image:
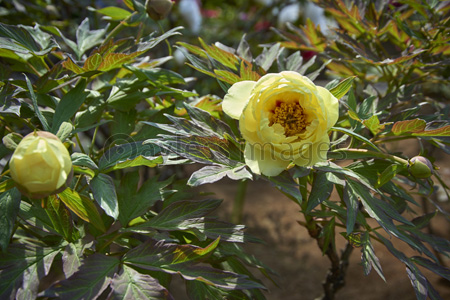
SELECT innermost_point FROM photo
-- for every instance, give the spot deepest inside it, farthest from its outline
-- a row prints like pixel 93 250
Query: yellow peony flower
pixel 284 118
pixel 40 165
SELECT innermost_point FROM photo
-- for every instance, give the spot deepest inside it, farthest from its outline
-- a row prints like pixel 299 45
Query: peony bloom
pixel 40 165
pixel 284 118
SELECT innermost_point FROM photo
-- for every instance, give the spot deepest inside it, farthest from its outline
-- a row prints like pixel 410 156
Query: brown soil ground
pixel 301 268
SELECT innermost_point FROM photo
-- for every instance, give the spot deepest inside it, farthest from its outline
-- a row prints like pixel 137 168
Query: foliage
pixel 124 227
pixel 130 222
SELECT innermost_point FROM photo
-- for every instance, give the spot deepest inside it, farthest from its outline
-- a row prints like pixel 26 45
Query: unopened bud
pixel 41 165
pixel 420 167
pixel 158 9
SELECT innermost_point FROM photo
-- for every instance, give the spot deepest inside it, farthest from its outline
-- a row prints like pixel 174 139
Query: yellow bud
pixel 420 167
pixel 41 165
pixel 158 9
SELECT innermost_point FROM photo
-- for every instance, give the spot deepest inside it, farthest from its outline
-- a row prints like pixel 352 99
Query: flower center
pixel 289 115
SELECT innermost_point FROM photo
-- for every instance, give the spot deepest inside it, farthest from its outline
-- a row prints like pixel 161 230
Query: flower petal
pixel 331 105
pixel 314 153
pixel 262 161
pixel 237 98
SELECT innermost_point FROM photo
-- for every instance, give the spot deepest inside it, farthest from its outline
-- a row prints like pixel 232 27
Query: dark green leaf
pixel 180 211
pixel 25 39
pixel 87 38
pixel 38 113
pixel 157 256
pixel 69 105
pixel 127 153
pixel 83 160
pixel 9 208
pixel 104 191
pixel 369 259
pixel 133 202
pixel 321 190
pixel 352 203
pixel 205 120
pixel 92 278
pixel 287 186
pixel 432 266
pixel 129 284
pixel 21 270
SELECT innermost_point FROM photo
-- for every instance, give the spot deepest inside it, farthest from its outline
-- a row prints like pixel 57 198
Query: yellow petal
pixel 261 160
pixel 237 98
pixel 331 105
pixel 314 153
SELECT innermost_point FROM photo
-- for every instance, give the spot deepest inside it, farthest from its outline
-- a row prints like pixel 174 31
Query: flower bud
pixel 420 167
pixel 158 9
pixel 41 165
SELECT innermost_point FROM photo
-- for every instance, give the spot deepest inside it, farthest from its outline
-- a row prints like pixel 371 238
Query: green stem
pixel 167 42
pixel 238 205
pixel 117 29
pixel 93 141
pixel 79 143
pixel 375 154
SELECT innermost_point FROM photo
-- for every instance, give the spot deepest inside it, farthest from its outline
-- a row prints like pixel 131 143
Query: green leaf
pixel 355 135
pixel 408 126
pixel 93 277
pixel 82 207
pixel 390 172
pixel 206 121
pixel 104 191
pixel 441 131
pixel 71 259
pixel 199 290
pixel 432 266
pixel 180 211
pixel 114 13
pixel 9 208
pixel 158 256
pixel 133 202
pixel 286 184
pixel 87 38
pixel 60 217
pixel 268 56
pixel 129 284
pixel 92 62
pixel 136 153
pixel 211 174
pixel 6 185
pixel 83 160
pixel 116 60
pixel 149 43
pixel 352 203
pixel 69 105
pixel 38 113
pixel 224 57
pixel 65 129
pixel 22 269
pixel 320 191
pixel 69 64
pixel 11 140
pixel 25 40
pixel 373 124
pixel 369 259
pixel 343 87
